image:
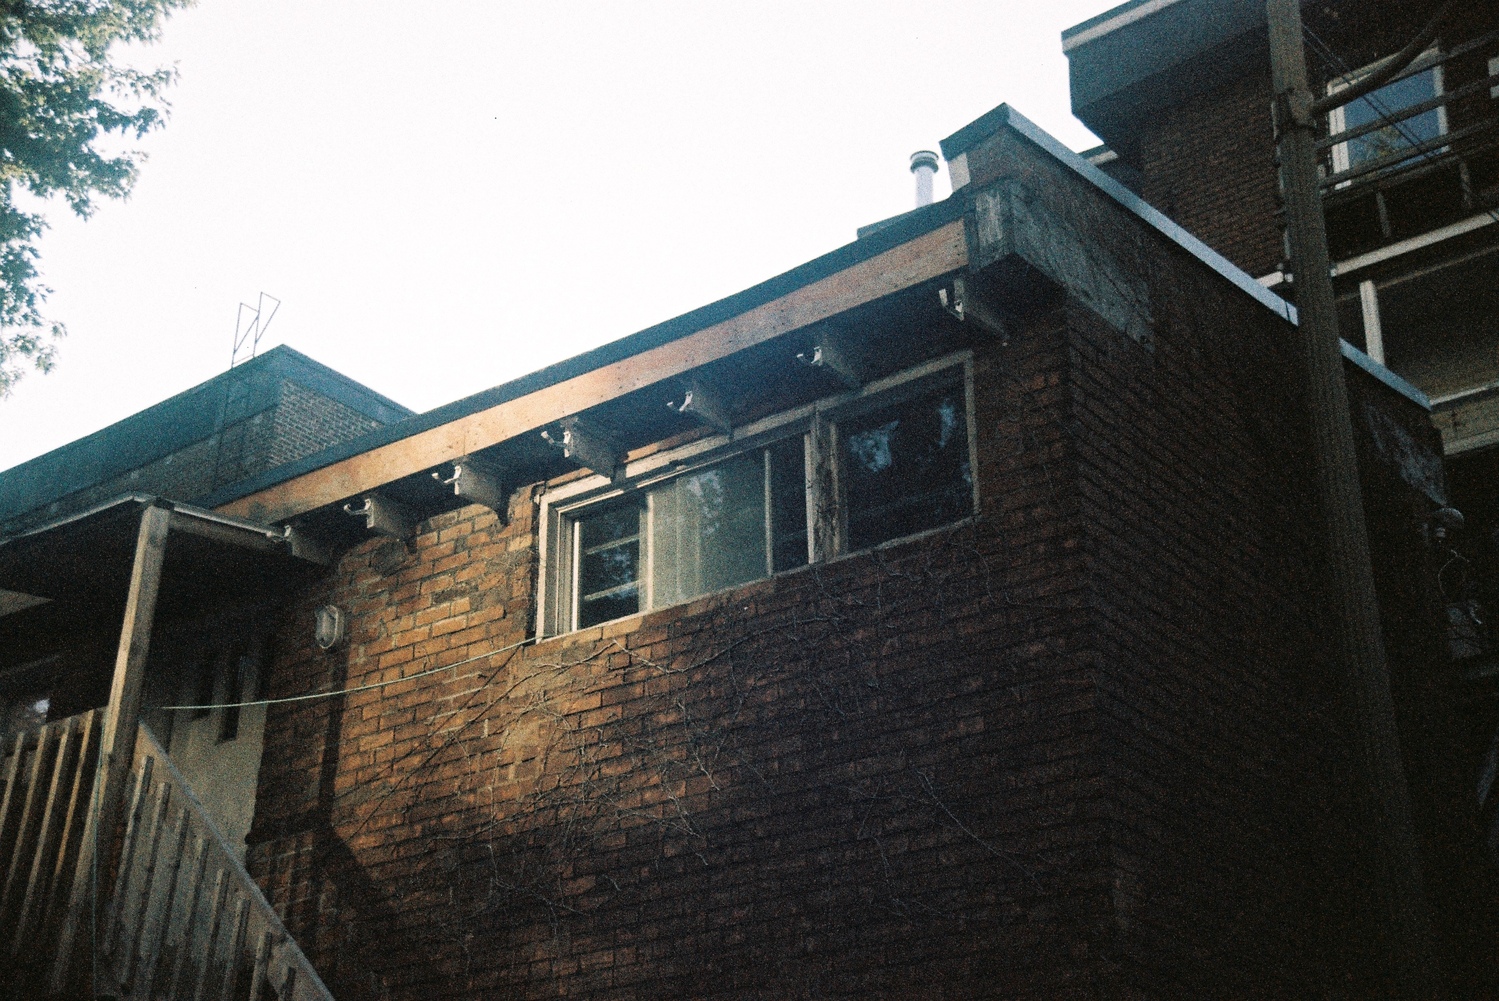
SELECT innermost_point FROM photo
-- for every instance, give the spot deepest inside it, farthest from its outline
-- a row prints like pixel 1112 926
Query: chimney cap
pixel 923 158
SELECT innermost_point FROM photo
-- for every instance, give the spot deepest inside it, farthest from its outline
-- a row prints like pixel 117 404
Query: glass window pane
pixel 608 564
pixel 1386 101
pixel 788 502
pixel 708 530
pixel 904 468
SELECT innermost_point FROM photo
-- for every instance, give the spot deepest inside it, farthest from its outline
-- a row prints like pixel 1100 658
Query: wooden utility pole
pixel 1349 576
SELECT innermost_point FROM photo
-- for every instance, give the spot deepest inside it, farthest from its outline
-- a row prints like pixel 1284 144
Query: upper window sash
pixel 816 423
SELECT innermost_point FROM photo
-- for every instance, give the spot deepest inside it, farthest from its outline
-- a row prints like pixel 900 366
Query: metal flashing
pixel 970 136
pixel 1384 375
pixel 1110 21
pixel 967 138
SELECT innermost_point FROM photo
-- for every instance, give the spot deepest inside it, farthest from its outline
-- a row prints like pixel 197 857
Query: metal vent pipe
pixel 924 166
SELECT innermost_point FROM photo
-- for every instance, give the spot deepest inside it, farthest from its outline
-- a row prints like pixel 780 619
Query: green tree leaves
pixel 60 94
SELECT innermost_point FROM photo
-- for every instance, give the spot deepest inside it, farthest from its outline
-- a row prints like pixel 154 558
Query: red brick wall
pixel 1086 744
pixel 307 422
pixel 1208 162
pixel 1222 722
pixel 1006 759
pixel 875 777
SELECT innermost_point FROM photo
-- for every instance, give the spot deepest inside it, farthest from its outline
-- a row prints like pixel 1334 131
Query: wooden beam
pixel 960 302
pixel 931 255
pixel 121 720
pixel 831 353
pixel 708 403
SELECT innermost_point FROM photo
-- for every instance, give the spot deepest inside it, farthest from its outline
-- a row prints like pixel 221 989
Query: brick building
pixel 259 415
pixel 956 631
pixel 1181 93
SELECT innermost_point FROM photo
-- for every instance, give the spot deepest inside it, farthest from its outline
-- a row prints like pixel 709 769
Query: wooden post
pixel 121 719
pixel 1356 631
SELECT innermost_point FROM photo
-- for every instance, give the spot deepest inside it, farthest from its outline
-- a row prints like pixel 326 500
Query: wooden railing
pixel 49 782
pixel 1470 138
pixel 181 917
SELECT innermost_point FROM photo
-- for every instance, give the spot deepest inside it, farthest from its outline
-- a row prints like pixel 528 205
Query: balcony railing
pixel 181 917
pixel 1477 135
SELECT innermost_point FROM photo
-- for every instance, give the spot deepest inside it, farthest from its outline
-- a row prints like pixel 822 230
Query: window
pixel 898 461
pixel 905 468
pixel 728 523
pixel 1386 102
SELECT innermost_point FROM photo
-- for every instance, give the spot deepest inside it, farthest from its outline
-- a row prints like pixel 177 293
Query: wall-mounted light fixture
pixel 329 627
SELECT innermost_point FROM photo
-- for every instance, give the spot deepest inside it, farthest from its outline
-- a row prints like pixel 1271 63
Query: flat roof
pixel 899 230
pixel 902 229
pixel 177 422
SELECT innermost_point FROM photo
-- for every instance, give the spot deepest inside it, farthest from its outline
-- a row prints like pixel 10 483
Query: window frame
pixel 1337 117
pixel 816 423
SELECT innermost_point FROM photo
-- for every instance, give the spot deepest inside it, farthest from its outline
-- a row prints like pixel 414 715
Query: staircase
pixel 174 914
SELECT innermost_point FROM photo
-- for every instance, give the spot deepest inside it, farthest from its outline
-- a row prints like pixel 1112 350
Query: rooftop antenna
pixel 250 325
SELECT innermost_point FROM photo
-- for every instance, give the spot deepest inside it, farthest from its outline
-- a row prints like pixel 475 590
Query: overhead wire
pixel 350 691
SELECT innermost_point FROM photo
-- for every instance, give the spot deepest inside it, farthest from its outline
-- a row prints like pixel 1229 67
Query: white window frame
pixel 1337 118
pixel 816 422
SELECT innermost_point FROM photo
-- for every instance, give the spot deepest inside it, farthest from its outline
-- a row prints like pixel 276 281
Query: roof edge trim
pixel 906 228
pixel 970 136
pixel 1384 375
pixel 1111 20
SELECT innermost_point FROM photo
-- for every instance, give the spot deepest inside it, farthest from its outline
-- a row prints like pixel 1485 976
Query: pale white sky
pixel 446 196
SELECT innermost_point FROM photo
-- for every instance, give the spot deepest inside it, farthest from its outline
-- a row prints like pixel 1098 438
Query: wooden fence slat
pixel 24 843
pixel 162 932
pixel 289 984
pixel 262 962
pixel 12 772
pixel 234 945
pixel 142 882
pixel 288 964
pixel 48 838
pixel 57 891
pixel 141 787
pixel 159 912
pixel 215 912
pixel 182 940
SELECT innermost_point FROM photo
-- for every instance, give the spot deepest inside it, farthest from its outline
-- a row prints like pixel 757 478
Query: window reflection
pixel 740 520
pixel 709 530
pixel 906 468
pixel 609 564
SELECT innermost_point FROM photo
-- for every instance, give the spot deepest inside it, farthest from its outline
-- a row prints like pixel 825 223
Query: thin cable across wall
pixel 350 691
